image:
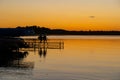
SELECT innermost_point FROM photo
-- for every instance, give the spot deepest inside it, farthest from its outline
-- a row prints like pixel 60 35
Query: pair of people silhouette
pixel 42 38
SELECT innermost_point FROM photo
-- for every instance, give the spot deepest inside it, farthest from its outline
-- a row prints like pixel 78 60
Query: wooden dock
pixel 34 43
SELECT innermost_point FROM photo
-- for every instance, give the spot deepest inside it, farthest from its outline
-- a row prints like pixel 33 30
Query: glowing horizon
pixel 61 14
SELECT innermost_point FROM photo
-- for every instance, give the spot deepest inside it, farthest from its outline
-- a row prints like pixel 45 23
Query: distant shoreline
pixel 81 35
pixel 36 30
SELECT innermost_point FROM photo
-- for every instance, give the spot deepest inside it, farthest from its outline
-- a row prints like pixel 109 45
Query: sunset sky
pixel 64 14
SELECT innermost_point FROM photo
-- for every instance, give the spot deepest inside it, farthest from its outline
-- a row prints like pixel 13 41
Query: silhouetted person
pixel 40 38
pixel 44 38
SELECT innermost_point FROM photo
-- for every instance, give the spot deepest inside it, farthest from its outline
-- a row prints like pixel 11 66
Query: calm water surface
pixel 83 58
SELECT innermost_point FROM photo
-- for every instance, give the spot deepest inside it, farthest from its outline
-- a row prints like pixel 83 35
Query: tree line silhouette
pixel 36 30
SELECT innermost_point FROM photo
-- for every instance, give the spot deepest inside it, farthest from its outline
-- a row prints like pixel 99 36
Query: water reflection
pixel 82 59
pixel 18 58
pixel 42 52
pixel 14 59
pixel 41 47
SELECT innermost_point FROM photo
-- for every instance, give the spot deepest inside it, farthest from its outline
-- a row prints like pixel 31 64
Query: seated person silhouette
pixel 42 37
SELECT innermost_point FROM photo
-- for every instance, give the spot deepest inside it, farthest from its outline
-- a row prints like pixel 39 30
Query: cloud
pixel 91 16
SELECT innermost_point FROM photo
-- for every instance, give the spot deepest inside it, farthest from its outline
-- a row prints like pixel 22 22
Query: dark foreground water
pixel 83 58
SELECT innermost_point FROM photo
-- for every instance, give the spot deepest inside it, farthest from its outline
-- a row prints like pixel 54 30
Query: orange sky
pixel 65 14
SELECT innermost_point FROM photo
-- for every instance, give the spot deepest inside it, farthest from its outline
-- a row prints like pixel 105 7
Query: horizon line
pixel 53 28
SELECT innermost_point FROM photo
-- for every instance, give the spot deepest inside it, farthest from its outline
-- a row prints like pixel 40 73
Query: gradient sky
pixel 65 14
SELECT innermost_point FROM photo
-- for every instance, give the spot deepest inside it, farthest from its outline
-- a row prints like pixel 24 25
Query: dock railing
pixel 49 44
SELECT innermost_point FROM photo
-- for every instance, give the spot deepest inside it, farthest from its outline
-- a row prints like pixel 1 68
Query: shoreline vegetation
pixel 36 30
pixel 11 44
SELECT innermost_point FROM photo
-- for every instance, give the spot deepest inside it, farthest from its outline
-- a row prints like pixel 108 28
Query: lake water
pixel 83 58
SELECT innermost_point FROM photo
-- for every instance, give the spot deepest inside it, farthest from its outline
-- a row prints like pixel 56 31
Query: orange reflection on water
pixel 93 52
pixel 80 58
